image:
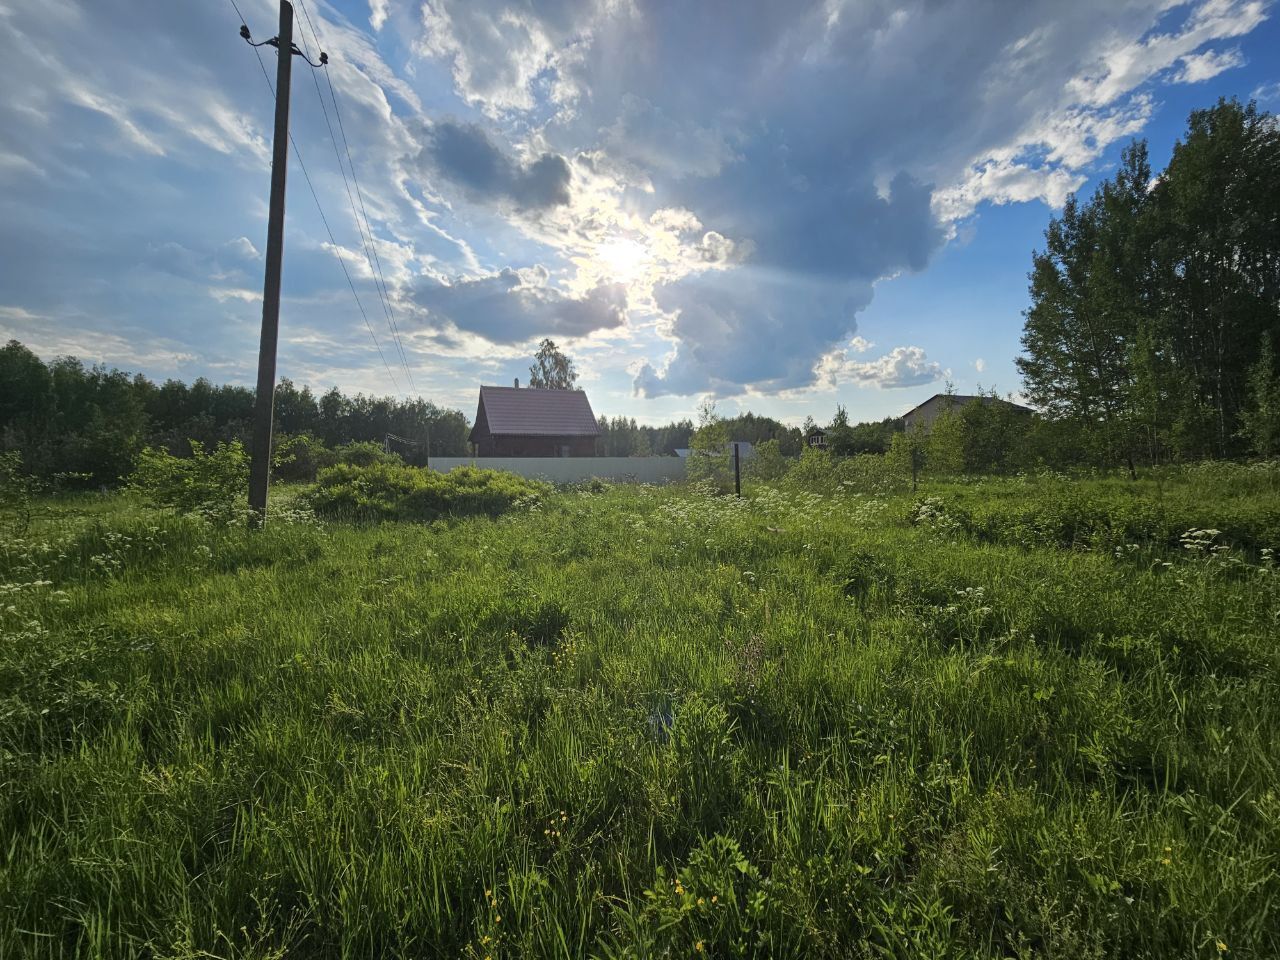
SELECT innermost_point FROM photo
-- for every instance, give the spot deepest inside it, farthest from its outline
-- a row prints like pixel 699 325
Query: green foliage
pixel 643 722
pixel 710 459
pixel 840 433
pixel 906 455
pixel 360 453
pixel 552 369
pixel 1151 299
pixel 215 483
pixel 297 458
pixel 1260 422
pixel 768 465
pixel 385 491
pixel 86 426
pixel 18 493
pixel 813 471
pixel 944 453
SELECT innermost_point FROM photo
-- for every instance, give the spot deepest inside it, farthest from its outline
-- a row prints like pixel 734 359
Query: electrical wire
pixel 365 230
pixel 323 219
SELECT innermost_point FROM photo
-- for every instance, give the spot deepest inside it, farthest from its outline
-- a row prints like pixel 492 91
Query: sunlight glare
pixel 622 259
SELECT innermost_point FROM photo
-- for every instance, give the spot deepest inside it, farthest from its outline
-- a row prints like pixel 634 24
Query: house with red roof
pixel 516 422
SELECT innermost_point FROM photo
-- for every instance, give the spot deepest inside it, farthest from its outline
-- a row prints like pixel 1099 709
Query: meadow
pixel 1022 717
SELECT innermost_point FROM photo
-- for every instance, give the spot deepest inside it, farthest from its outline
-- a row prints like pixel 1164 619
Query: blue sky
pixel 780 206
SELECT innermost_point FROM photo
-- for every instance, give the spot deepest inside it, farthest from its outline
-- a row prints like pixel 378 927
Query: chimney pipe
pixel 517 383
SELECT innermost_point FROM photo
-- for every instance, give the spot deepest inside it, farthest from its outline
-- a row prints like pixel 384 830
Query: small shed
pixel 817 439
pixel 530 422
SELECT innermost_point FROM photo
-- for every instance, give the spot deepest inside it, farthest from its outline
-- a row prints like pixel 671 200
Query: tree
pixel 708 447
pixel 1260 422
pixel 1086 297
pixel 945 443
pixel 995 435
pixel 1218 219
pixel 906 454
pixel 840 434
pixel 552 369
pixel 1151 297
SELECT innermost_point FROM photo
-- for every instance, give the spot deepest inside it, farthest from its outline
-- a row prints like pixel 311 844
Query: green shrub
pixel 210 483
pixel 768 465
pixel 385 491
pixel 812 471
pixel 299 458
pixel 360 453
pixel 18 492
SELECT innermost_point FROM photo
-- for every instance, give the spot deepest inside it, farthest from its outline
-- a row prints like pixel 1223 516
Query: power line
pixel 320 209
pixel 365 230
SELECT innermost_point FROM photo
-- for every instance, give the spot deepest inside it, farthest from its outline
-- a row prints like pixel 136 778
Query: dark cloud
pixel 470 158
pixel 750 326
pixel 816 257
pixel 814 132
pixel 513 306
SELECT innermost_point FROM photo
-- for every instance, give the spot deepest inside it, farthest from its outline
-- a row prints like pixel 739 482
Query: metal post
pixel 737 471
pixel 260 466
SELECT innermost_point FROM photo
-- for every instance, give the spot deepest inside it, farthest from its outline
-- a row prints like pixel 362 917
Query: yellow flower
pixel 1166 861
pixel 699 901
pixel 698 946
pixel 1222 947
pixel 715 898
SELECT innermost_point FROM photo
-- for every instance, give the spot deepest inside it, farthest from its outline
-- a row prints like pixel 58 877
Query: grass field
pixel 1017 718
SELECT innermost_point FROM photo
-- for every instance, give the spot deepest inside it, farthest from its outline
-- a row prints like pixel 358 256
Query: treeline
pixel 87 424
pixel 1155 305
pixel 623 437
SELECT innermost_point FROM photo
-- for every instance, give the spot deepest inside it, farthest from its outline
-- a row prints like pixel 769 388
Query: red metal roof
pixel 528 412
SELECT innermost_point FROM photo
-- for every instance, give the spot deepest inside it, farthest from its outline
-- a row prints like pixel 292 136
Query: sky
pixel 778 206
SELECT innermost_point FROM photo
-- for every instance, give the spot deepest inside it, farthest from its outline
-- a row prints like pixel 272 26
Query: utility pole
pixel 264 399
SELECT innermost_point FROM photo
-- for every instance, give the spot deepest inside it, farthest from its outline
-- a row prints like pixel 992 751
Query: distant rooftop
pixel 960 399
pixel 528 412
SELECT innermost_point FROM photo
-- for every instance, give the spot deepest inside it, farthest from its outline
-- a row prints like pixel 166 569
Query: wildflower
pixel 715 898
pixel 1222 947
pixel 698 946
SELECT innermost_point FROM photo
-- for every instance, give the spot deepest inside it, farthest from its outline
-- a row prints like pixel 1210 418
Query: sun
pixel 622 259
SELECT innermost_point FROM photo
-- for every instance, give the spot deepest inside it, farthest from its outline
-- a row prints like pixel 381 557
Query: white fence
pixel 573 469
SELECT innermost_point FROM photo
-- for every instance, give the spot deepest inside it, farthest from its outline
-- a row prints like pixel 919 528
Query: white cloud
pixel 980 365
pixel 1266 93
pixel 1097 106
pixel 1198 67
pixel 900 367
pixel 50 337
pixel 378 13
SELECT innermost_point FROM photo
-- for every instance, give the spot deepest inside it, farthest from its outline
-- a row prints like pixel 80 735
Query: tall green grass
pixel 636 723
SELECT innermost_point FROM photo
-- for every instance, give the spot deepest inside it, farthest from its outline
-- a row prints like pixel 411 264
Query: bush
pixel 384 491
pixel 768 465
pixel 299 458
pixel 211 483
pixel 18 493
pixel 360 453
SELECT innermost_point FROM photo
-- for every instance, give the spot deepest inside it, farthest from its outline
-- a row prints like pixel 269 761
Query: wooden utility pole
pixel 737 471
pixel 264 401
